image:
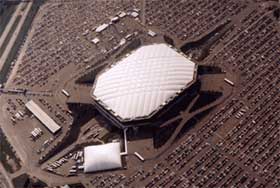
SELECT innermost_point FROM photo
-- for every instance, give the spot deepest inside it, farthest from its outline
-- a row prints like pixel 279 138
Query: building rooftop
pixel 47 121
pixel 142 83
pixel 102 157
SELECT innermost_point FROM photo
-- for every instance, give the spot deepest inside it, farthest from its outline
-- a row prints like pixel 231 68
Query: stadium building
pixel 146 82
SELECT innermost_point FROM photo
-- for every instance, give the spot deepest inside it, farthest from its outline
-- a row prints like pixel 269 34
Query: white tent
pixel 102 157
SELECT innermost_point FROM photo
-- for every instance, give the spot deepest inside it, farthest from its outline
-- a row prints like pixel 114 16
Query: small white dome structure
pixel 102 157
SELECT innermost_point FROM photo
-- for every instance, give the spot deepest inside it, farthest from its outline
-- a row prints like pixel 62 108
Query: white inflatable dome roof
pixel 102 157
pixel 143 82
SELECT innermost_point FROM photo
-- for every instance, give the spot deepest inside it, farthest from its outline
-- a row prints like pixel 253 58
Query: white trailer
pixel 229 82
pixel 65 93
pixel 139 156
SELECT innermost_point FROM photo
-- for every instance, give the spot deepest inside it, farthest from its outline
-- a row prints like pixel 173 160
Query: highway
pixel 6 176
pixel 10 24
pixel 16 32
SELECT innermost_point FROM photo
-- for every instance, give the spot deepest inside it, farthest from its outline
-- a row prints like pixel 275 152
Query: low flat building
pixel 42 116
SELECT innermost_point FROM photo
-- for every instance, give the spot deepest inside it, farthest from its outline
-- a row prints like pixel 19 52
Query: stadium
pixel 141 86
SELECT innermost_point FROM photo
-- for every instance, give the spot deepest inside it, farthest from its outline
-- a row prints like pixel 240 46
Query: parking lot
pixel 234 144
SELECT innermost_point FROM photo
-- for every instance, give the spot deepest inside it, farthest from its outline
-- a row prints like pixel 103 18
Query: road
pixel 6 176
pixel 14 37
pixel 185 116
pixel 22 50
pixel 9 25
